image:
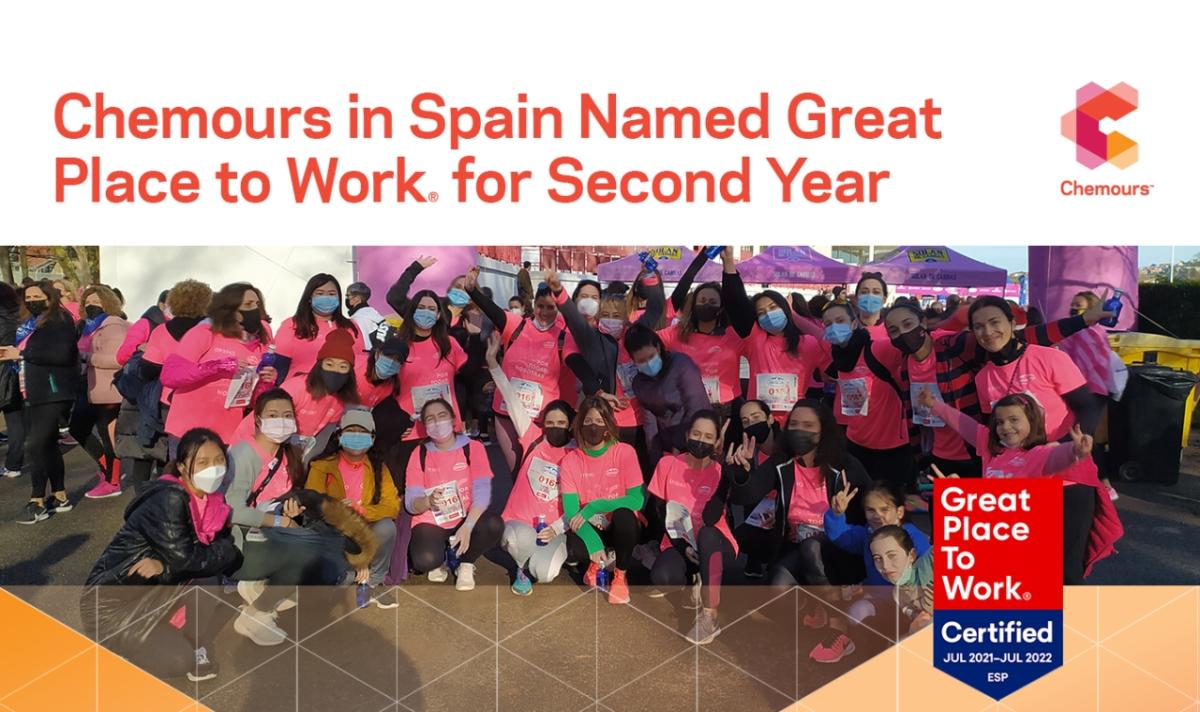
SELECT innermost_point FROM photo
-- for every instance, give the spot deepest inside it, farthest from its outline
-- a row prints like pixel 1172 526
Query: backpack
pixel 422 454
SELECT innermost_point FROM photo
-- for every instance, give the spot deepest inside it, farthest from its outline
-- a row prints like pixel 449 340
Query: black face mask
pixel 759 431
pixel 334 381
pixel 700 449
pixel 799 443
pixel 708 312
pixel 93 311
pixel 1011 352
pixel 252 320
pixel 910 342
pixel 557 437
pixel 594 435
pixel 640 291
pixel 36 307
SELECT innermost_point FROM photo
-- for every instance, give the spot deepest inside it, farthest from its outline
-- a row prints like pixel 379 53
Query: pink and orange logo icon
pixel 1093 147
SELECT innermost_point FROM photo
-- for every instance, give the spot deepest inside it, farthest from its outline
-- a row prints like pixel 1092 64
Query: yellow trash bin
pixel 1183 354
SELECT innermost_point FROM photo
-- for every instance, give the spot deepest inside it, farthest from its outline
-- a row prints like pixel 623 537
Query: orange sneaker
pixel 589 576
pixel 618 590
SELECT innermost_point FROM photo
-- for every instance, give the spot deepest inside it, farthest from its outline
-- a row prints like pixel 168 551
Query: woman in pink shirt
pixel 781 357
pixel 300 336
pixel 202 369
pixel 434 360
pixel 870 294
pixel 94 418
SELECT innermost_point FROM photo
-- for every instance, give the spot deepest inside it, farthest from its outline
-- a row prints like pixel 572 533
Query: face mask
pixel 594 434
pixel 93 311
pixel 537 324
pixel 652 367
pixel 252 320
pixel 36 307
pixel 1077 312
pixel 425 318
pixel 910 341
pixel 440 430
pixel 209 479
pixel 517 311
pixel 588 306
pixel 639 291
pixel 838 334
pixel 333 380
pixel 458 297
pixel 708 312
pixel 167 313
pixel 386 367
pixel 557 437
pixel 773 321
pixel 612 327
pixel 870 303
pixel 759 431
pixel 799 443
pixel 278 430
pixel 325 304
pixel 356 442
pixel 906 576
pixel 700 449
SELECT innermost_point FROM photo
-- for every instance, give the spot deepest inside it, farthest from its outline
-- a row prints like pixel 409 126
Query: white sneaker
pixel 259 627
pixel 285 604
pixel 10 474
pixel 439 575
pixel 695 600
pixel 251 590
pixel 465 580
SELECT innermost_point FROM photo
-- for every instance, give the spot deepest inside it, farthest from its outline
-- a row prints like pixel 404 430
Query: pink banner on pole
pixel 380 267
pixel 1057 273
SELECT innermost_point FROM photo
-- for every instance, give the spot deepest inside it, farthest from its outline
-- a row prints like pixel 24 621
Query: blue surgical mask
pixel 356 442
pixel 325 303
pixel 773 321
pixel 870 303
pixel 651 367
pixel 425 318
pixel 386 367
pixel 838 334
pixel 458 297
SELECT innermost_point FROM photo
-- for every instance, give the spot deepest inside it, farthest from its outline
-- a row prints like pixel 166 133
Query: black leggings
pixel 894 465
pixel 89 426
pixel 1079 508
pixel 171 652
pixel 621 536
pixel 42 455
pixel 813 562
pixel 427 550
pixel 14 421
pixel 672 568
pixel 635 437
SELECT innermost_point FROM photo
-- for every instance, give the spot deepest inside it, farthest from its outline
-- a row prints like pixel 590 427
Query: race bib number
pixel 449 503
pixel 856 396
pixel 530 395
pixel 625 373
pixel 423 394
pixel 543 478
pixel 922 415
pixel 712 386
pixel 679 523
pixel 779 391
pixel 241 388
pixel 763 515
pixel 800 532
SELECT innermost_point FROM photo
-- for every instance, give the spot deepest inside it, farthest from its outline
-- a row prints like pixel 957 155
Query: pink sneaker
pixel 817 618
pixel 831 652
pixel 104 489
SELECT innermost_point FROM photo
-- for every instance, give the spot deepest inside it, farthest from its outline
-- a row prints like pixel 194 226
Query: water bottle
pixel 1112 305
pixel 362 595
pixel 539 526
pixel 268 359
pixel 602 579
pixel 648 261
pixel 451 556
pixel 714 252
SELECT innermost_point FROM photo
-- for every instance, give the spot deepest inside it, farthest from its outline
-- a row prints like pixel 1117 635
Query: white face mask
pixel 440 430
pixel 518 311
pixel 278 430
pixel 588 307
pixel 209 479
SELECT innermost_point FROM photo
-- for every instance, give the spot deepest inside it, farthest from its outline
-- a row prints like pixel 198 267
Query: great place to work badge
pixel 998 601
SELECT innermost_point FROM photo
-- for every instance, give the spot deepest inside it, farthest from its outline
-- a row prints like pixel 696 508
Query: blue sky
pixel 1016 259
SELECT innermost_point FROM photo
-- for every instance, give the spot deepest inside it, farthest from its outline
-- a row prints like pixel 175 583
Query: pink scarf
pixel 208 516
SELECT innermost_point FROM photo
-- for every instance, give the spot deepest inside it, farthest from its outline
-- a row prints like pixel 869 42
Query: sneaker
pixel 54 505
pixel 464 580
pixel 33 513
pixel 755 570
pixel 251 590
pixel 1112 492
pixel 64 438
pixel 695 600
pixel 589 576
pixel 618 590
pixel 286 603
pixel 831 651
pixel 206 669
pixel 259 627
pixel 705 630
pixel 384 598
pixel 522 586
pixel 817 618
pixel 12 474
pixel 440 574
pixel 656 593
pixel 103 490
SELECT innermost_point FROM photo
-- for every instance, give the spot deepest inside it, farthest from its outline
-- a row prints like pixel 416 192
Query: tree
pixel 6 270
pixel 80 265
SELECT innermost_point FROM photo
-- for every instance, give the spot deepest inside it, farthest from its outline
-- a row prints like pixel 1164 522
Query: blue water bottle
pixel 267 360
pixel 714 252
pixel 648 261
pixel 602 579
pixel 362 596
pixel 1113 305
pixel 539 526
pixel 451 558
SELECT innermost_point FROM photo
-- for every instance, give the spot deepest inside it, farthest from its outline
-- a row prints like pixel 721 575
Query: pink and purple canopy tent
pixel 672 263
pixel 793 265
pixel 936 266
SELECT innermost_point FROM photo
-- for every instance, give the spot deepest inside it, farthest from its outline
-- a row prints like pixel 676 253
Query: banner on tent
pixel 928 254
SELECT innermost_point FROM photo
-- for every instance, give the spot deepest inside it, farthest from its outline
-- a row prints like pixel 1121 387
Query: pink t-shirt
pixel 448 470
pixel 532 363
pixel 426 376
pixel 312 414
pixel 1042 372
pixel 1012 461
pixel 809 501
pixel 946 442
pixel 690 488
pixel 718 357
pixel 204 405
pixel 352 478
pixel 159 346
pixel 370 394
pixel 279 484
pixel 607 476
pixel 777 377
pixel 535 490
pixel 873 412
pixel 303 352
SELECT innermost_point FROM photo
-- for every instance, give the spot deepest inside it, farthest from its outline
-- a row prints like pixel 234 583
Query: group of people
pixel 337 448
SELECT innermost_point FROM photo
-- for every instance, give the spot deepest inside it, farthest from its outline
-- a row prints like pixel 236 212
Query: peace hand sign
pixel 743 455
pixel 841 499
pixel 1096 312
pixel 1083 442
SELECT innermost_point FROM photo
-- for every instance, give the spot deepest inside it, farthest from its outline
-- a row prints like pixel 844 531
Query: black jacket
pixel 52 366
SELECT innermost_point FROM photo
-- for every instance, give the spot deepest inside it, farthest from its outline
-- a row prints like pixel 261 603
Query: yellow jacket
pixel 324 476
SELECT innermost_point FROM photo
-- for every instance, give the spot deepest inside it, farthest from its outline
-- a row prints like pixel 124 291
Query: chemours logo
pixel 1093 147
